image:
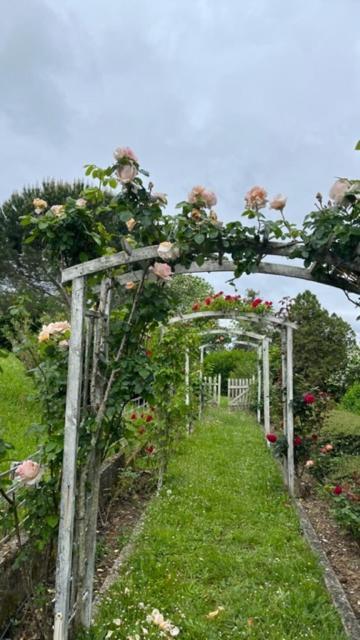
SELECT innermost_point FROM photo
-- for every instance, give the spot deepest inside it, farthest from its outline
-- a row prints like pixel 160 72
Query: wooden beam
pixel 68 486
pixel 234 332
pixel 266 384
pixel 259 384
pixel 228 315
pixel 290 409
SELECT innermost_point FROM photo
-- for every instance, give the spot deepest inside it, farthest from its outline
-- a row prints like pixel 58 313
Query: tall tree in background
pixel 188 289
pixel 323 343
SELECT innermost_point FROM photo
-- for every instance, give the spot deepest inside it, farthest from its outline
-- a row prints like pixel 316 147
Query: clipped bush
pixel 231 364
pixel 351 399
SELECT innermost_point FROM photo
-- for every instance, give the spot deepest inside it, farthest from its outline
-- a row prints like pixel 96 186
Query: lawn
pixel 18 409
pixel 344 422
pixel 221 554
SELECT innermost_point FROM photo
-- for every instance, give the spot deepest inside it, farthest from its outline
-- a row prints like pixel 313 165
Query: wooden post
pixel 259 385
pixel 284 394
pixel 266 384
pixel 219 390
pixel 187 386
pixel 68 486
pixel 290 410
pixel 201 377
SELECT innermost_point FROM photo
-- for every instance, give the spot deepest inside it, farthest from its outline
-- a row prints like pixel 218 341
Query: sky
pixel 227 94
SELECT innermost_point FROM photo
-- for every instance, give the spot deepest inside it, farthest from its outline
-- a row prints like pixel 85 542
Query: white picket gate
pixel 212 389
pixel 239 392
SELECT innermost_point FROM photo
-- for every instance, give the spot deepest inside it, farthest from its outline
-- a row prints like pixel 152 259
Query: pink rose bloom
pixel 58 210
pixel 256 198
pixel 130 285
pixel 162 271
pixel 125 152
pixel 52 329
pixel 29 472
pixel 278 203
pixel 40 205
pixel 309 464
pixel 339 190
pixel 200 193
pixel 126 173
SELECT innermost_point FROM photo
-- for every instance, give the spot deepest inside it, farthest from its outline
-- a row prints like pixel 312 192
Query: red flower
pixel 133 416
pixel 141 430
pixel 196 306
pixel 149 353
pixel 297 441
pixel 268 304
pixel 218 295
pixel 150 449
pixel 309 398
pixel 314 437
pixel 228 298
pixel 255 303
pixel 208 301
pixel 271 437
pixel 337 490
pixel 149 418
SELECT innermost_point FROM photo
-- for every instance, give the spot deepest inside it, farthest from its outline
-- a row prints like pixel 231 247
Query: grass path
pixel 222 535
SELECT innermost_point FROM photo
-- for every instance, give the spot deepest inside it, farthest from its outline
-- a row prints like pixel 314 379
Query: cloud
pixel 227 94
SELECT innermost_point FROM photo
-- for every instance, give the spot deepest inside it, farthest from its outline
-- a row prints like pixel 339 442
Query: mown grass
pixel 223 533
pixel 18 409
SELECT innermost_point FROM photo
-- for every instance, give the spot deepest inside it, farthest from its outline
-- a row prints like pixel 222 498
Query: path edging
pixel 338 595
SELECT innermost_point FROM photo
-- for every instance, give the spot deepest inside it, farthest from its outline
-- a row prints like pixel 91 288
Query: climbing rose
pixel 196 215
pixel 29 472
pixel 125 152
pixel 213 217
pixel 337 490
pixel 130 285
pixel 126 173
pixel 256 198
pixel 150 449
pixel 160 198
pixel 309 398
pixel 309 464
pixel 149 418
pixel 167 251
pixel 131 224
pixel 133 416
pixel 339 190
pixel 200 193
pixel 255 303
pixel 278 203
pixel 40 205
pixel 328 447
pixel 58 210
pixel 81 203
pixel 162 271
pixel 196 306
pixel 208 301
pixel 52 329
pixel 297 441
pixel 271 437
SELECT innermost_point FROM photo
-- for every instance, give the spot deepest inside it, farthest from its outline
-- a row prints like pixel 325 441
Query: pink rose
pixel 202 195
pixel 58 210
pixel 40 205
pixel 125 152
pixel 126 173
pixel 278 203
pixel 162 271
pixel 29 472
pixel 81 203
pixel 309 464
pixel 256 198
pixel 52 329
pixel 339 190
pixel 130 285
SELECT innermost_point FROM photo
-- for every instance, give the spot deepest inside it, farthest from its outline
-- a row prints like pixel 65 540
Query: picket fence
pixel 239 392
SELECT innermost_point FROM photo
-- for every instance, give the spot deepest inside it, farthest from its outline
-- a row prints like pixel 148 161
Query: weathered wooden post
pixel 284 394
pixel 219 389
pixel 72 418
pixel 201 377
pixel 289 408
pixel 187 387
pixel 259 385
pixel 266 383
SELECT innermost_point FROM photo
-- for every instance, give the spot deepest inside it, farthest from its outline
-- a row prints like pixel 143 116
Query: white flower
pixel 168 251
pixel 81 203
pixel 131 224
pixel 58 210
pixel 278 203
pixel 339 190
pixel 39 205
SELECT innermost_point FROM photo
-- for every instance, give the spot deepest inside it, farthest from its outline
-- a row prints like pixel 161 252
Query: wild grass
pixel 221 554
pixel 343 422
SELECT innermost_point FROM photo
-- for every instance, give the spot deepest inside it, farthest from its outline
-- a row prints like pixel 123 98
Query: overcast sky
pixel 228 94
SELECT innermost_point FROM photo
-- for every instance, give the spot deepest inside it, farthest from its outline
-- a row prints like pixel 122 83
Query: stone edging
pixel 338 595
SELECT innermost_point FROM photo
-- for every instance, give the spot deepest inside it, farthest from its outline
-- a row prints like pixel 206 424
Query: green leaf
pixel 199 238
pixel 357 146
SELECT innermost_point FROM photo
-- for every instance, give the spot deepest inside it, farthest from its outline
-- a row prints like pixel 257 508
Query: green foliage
pixel 186 289
pixel 327 336
pixel 235 363
pixel 351 399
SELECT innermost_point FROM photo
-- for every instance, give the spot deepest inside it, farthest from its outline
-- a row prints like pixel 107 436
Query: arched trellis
pixel 126 259
pixel 263 369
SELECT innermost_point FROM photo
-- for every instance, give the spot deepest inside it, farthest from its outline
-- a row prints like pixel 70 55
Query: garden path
pixel 221 554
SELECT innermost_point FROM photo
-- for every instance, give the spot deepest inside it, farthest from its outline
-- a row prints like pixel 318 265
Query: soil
pixel 342 550
pixel 116 523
